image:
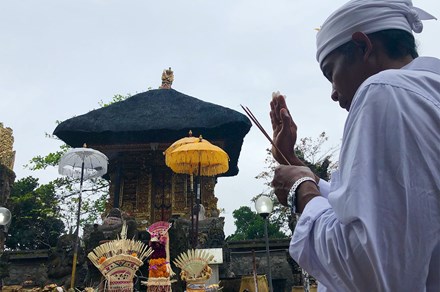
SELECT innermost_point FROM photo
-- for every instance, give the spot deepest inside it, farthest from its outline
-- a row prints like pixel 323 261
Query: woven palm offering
pixel 118 261
pixel 158 284
pixel 195 270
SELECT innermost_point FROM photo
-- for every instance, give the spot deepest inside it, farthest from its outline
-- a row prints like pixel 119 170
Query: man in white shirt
pixel 376 225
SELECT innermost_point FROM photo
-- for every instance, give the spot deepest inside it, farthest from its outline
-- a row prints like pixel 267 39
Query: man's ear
pixel 364 43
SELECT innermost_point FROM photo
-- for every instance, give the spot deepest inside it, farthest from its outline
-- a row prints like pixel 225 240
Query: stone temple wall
pixel 241 255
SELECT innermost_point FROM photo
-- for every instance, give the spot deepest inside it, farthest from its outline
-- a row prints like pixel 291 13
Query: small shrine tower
pixel 7 158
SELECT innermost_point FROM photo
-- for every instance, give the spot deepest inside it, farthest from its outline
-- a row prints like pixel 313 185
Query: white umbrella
pixel 83 163
pixel 71 164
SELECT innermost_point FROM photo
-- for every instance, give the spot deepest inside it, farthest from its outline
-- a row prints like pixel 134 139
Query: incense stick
pixel 259 126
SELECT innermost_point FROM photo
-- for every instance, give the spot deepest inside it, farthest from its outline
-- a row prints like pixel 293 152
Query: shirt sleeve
pixel 322 246
pixel 324 187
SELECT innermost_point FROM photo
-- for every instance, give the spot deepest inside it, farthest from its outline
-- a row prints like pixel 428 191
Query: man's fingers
pixel 275 110
pixel 281 101
pixel 282 196
pixel 286 122
pixel 287 118
pixel 274 121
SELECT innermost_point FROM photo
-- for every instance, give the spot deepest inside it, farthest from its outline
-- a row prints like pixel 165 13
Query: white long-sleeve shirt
pixel 378 227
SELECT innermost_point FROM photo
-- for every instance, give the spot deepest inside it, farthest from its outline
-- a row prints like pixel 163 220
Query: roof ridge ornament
pixel 167 78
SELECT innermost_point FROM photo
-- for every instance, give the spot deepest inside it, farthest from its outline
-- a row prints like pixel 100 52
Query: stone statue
pixel 95 238
pixel 112 224
pixel 167 79
pixel 60 260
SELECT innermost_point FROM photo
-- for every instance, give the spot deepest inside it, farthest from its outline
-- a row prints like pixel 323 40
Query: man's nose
pixel 334 94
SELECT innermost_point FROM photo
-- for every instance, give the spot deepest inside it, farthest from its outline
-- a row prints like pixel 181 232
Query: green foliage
pixel 42 162
pixel 310 151
pixel 115 98
pixel 94 197
pixel 250 225
pixel 94 194
pixel 36 215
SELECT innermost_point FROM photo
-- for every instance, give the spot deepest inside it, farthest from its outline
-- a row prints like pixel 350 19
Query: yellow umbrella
pixel 200 158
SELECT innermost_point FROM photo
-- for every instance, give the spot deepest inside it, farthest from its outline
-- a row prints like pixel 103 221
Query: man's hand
pixel 284 131
pixel 283 180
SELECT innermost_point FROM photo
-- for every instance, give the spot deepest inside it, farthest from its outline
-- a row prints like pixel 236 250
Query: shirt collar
pixel 429 64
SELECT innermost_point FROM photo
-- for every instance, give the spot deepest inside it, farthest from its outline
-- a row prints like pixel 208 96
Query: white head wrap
pixel 367 16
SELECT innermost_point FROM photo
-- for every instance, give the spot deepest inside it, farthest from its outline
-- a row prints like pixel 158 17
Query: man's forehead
pixel 328 61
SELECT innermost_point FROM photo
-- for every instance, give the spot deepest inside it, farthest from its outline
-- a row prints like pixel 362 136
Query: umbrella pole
pixel 198 207
pixel 75 253
pixel 192 211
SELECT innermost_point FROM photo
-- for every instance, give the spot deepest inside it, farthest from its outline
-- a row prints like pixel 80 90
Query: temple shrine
pixel 135 132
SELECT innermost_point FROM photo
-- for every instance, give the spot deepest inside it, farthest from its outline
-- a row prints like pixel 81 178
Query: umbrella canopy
pixel 178 143
pixel 71 163
pixel 199 158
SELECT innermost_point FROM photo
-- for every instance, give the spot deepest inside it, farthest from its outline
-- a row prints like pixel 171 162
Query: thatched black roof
pixel 158 116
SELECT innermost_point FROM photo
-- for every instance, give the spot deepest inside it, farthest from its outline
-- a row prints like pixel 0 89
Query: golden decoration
pixel 167 79
pixel 194 265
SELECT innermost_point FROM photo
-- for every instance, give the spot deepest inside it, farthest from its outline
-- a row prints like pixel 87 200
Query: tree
pixel 95 192
pixel 250 225
pixel 310 152
pixel 36 220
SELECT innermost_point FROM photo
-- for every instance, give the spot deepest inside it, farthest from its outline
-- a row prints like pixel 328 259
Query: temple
pixel 135 132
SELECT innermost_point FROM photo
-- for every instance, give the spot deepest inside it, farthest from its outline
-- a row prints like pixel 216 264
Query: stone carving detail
pixel 216 234
pixel 95 238
pixel 7 155
pixel 143 201
pixel 60 261
pixel 179 191
pixel 161 199
pixel 167 79
pixel 127 197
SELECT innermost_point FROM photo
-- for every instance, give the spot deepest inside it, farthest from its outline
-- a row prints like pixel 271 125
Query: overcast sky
pixel 60 58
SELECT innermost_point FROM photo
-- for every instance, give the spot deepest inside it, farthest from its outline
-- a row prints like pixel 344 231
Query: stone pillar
pixel 7 175
pixel 7 157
